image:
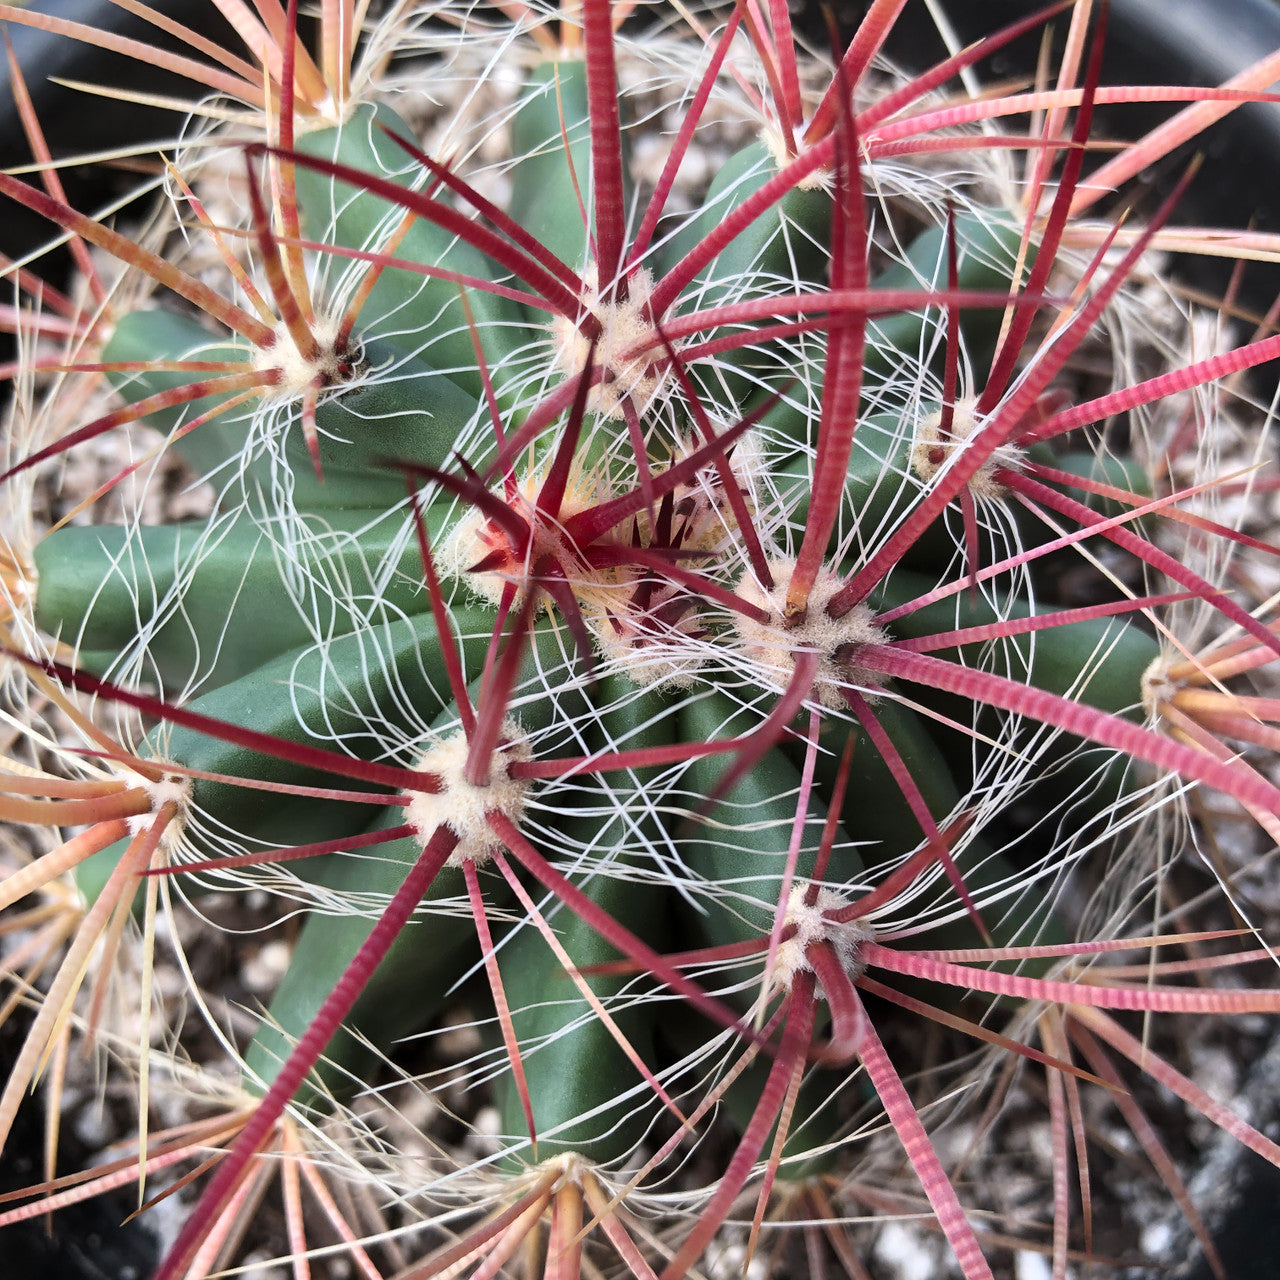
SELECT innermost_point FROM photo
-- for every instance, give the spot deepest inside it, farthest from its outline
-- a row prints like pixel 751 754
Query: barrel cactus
pixel 637 626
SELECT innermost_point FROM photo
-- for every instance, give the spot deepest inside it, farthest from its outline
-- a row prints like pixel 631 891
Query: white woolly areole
pixel 298 372
pixel 774 644
pixel 573 1169
pixel 460 805
pixel 930 451
pixel 811 926
pixel 624 326
pixel 469 542
pixel 647 653
pixel 821 179
pixel 476 537
pixel 1157 687
pixel 171 789
pixel 650 646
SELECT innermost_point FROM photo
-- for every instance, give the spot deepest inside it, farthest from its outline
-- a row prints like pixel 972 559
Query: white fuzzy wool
pixel 1158 687
pixel 626 328
pixel 929 443
pixel 464 807
pixel 168 789
pixel 811 926
pixel 299 371
pixel 773 645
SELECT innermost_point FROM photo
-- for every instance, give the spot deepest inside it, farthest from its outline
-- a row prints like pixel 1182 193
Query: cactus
pixel 632 625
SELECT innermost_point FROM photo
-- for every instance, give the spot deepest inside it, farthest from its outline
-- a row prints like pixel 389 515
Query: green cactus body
pixel 404 411
pixel 355 656
pixel 986 253
pixel 1100 662
pixel 421 314
pixel 406 992
pixel 1101 659
pixel 586 1093
pixel 428 957
pixel 741 846
pixel 216 602
pixel 781 249
pixel 551 168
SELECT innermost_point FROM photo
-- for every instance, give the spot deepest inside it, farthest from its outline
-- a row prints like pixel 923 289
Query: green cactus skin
pixel 586 1094
pixel 402 300
pixel 547 181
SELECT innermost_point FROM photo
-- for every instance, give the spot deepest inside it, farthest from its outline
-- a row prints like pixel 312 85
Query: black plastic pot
pixel 95 1240
pixel 75 122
